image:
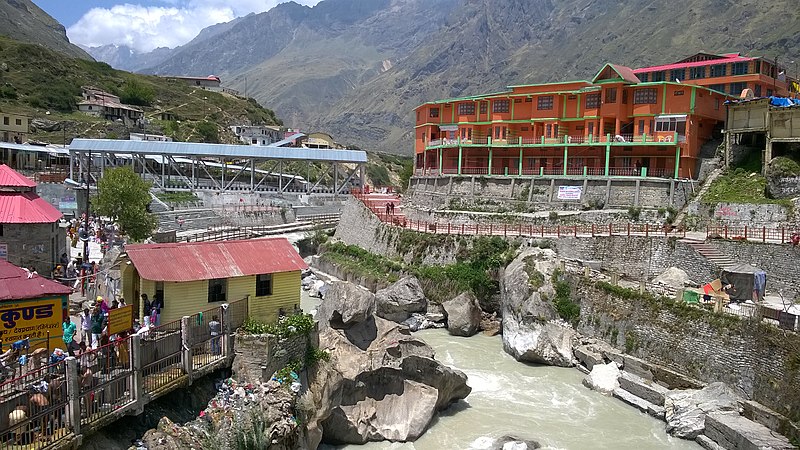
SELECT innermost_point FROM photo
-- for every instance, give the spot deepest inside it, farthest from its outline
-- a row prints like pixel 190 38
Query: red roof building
pixel 193 277
pixel 11 178
pixel 18 284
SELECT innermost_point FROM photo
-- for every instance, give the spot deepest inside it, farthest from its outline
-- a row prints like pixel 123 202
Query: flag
pixel 795 86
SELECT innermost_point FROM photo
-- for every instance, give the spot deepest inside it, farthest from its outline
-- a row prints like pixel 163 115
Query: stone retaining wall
pixel 760 360
pixel 780 261
pixel 260 356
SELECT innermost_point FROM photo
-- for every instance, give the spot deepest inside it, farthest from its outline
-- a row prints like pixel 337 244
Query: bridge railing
pixel 106 380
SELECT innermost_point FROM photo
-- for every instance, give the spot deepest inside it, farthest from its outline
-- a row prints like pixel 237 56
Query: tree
pixel 136 93
pixel 208 132
pixel 123 196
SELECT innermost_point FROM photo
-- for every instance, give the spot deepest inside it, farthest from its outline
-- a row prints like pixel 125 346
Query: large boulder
pixel 532 329
pixel 603 378
pixel 514 443
pixel 398 301
pixel 345 305
pixel 463 315
pixel 388 386
pixel 673 277
pixel 685 411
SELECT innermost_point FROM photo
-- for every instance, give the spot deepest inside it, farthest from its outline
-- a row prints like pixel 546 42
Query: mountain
pixel 125 58
pixel 357 68
pixel 24 21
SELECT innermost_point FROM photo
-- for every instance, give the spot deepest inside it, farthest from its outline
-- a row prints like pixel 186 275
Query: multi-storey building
pixel 14 127
pixel 614 125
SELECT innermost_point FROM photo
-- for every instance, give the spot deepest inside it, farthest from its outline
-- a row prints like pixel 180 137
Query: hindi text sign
pixel 569 192
pixel 32 320
pixel 120 319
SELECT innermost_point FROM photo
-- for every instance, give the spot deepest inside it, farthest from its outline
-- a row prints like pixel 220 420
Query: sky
pixel 147 24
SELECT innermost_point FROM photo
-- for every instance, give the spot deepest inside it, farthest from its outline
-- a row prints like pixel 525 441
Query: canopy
pixel 746 282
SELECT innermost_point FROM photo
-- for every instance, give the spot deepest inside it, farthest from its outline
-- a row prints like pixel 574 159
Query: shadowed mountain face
pixel 24 21
pixel 357 68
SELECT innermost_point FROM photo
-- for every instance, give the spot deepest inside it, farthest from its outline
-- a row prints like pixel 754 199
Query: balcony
pixel 558 171
pixel 657 139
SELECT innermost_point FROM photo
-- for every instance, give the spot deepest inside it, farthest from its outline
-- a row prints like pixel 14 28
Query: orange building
pixel 614 125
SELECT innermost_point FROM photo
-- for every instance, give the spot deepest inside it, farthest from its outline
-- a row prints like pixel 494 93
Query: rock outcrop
pixel 532 330
pixel 685 411
pixel 463 315
pixel 515 443
pixel 398 301
pixel 390 386
pixel 345 304
pixel 603 378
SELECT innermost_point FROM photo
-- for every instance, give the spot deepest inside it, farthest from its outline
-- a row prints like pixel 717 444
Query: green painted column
pixel 520 162
pixel 566 151
pixel 459 159
pixel 440 161
pixel 664 99
pixel 677 160
pixel 693 100
pixel 608 156
pixel 512 107
pixel 490 161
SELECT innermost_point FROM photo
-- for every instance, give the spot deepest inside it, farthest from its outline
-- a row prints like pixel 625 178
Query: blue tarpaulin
pixel 782 101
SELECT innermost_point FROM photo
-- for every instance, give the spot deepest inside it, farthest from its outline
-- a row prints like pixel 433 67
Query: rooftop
pixel 26 207
pixel 11 178
pixel 197 261
pixel 16 285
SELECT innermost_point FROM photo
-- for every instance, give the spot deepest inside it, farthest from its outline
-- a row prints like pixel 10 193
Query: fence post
pixel 558 230
pixel 783 241
pixel 610 231
pixel 462 229
pixel 647 225
pixel 73 395
pixel 592 229
pixel 629 228
pixel 490 229
pixel 745 232
pixel 726 232
pixel 186 346
pixel 763 234
pixel 137 388
pixel 448 227
pixel 576 230
pixel 227 331
pixel 505 230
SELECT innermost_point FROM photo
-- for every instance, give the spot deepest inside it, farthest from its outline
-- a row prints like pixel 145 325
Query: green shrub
pixel 290 326
pixel 566 308
pixel 136 93
pixel 553 216
pixel 634 213
pixel 378 174
pixel 208 132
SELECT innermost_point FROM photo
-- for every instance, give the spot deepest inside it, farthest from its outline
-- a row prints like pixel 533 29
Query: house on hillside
pixel 32 307
pixel 258 134
pixel 97 102
pixel 198 276
pixel 14 127
pixel 211 82
pixel 30 235
pixel 320 140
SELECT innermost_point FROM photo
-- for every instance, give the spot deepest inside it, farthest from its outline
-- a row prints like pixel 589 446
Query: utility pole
pixel 86 218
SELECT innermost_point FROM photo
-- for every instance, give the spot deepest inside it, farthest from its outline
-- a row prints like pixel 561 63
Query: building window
pixel 641 126
pixel 591 128
pixel 737 88
pixel 417 119
pixel 718 87
pixel 697 72
pixel 611 95
pixel 677 74
pixel 671 124
pixel 500 106
pixel 548 131
pixel 263 285
pixel 217 290
pixel 757 67
pixel 434 112
pixel 466 109
pixel 1 229
pixel 739 68
pixel 658 76
pixel 544 102
pixel 757 90
pixel 719 70
pixel 19 121
pixel 593 101
pixel 624 96
pixel 5 120
pixel 484 107
pixel 517 100
pixel 645 96
pixel 528 99
pixel 769 92
pixel 643 77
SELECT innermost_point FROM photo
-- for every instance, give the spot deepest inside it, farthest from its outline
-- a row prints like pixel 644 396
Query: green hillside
pixel 43 84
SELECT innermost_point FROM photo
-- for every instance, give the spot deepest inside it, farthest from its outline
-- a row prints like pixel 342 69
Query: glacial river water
pixel 546 404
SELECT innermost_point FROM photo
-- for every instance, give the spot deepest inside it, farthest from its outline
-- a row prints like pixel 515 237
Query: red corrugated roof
pixel 725 60
pixel 15 284
pixel 208 260
pixel 26 207
pixel 11 178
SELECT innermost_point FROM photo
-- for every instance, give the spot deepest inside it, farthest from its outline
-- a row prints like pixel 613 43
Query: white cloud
pixel 147 27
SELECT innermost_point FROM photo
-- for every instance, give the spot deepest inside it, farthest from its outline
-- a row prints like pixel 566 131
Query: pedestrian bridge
pixel 88 392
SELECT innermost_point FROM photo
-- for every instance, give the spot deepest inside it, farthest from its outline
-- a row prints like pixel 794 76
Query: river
pixel 545 404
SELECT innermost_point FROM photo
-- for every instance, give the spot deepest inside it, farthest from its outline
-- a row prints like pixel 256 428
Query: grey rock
pixel 398 301
pixel 685 411
pixel 463 315
pixel 646 389
pixel 509 442
pixel 345 305
pixel 730 430
pixel 603 378
pixel 436 312
pixel 45 125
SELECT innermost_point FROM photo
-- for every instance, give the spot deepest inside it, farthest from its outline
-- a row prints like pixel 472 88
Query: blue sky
pixel 147 24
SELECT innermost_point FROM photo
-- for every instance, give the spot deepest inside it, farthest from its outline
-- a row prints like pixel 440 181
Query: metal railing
pixel 237 314
pixel 206 348
pixel 106 380
pixel 781 235
pixel 161 356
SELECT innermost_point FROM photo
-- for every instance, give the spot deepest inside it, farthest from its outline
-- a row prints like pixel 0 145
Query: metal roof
pixel 26 207
pixel 11 178
pixel 209 260
pixel 15 284
pixel 217 150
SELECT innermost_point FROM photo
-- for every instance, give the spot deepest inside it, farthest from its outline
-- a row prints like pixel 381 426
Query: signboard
pixel 120 319
pixel 68 203
pixel 4 251
pixel 569 192
pixel 32 319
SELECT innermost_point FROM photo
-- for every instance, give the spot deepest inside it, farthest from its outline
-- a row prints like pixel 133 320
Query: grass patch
pixel 177 197
pixel 567 309
pixel 740 186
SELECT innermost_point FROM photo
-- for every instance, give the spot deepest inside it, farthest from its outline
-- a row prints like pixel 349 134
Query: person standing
pixel 98 322
pixel 215 327
pixel 146 309
pixel 69 332
pixel 86 326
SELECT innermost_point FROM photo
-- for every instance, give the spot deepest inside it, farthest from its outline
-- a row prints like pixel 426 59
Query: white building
pixel 149 137
pixel 258 134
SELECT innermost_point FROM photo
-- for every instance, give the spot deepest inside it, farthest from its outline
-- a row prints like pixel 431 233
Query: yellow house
pixel 197 276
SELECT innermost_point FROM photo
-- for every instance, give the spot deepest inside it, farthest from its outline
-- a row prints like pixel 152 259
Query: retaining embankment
pixel 761 361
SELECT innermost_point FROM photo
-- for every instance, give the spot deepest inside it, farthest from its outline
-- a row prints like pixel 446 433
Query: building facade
pixel 258 134
pixel 613 125
pixel 99 103
pixel 14 127
pixel 30 231
pixel 195 277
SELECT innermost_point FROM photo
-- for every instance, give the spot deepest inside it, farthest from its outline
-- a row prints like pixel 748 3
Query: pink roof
pixel 15 284
pixel 26 207
pixel 729 58
pixel 209 260
pixel 11 178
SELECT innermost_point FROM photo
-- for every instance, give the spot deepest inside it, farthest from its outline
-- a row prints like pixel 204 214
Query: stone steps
pixel 711 254
pixel 734 432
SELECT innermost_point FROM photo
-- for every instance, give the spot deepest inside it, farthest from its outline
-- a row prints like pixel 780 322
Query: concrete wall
pixel 37 245
pixel 760 360
pixel 263 355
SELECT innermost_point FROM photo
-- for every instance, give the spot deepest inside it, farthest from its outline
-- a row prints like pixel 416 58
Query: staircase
pixel 710 253
pixel 156 205
pixel 376 202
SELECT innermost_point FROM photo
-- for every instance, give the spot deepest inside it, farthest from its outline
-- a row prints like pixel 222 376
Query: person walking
pixel 215 328
pixel 69 332
pixel 86 326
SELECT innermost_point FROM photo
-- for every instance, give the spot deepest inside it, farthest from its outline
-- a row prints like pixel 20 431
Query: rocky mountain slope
pixel 357 68
pixel 24 21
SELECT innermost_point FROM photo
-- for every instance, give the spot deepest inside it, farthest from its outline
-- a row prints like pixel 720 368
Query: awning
pixel 448 127
pixel 677 117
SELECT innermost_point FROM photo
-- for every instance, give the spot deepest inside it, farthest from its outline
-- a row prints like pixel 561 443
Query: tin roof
pixel 11 178
pixel 15 284
pixel 26 207
pixel 209 260
pixel 729 58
